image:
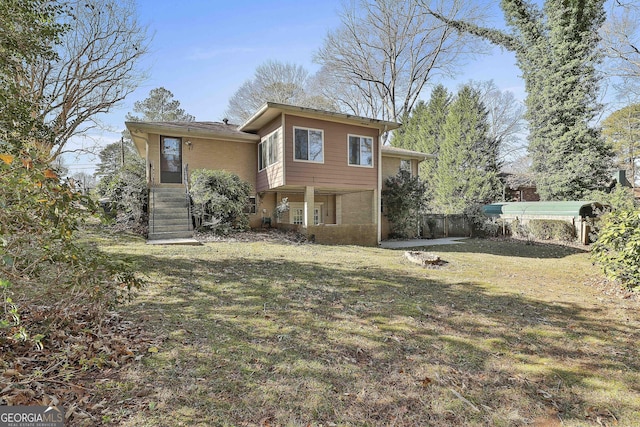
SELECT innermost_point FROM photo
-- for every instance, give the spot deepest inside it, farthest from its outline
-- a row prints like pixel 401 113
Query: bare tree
pixel 274 81
pixel 505 118
pixel 388 51
pixel 97 67
pixel 621 42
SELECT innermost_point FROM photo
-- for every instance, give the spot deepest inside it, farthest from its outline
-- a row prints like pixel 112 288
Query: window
pixel 250 208
pixel 308 145
pixel 405 165
pixel 297 214
pixel 360 151
pixel 269 150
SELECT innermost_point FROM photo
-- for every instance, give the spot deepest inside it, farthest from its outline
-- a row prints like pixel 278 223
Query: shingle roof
pixel 210 129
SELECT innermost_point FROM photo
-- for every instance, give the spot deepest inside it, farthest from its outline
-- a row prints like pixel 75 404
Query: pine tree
pixel 160 106
pixel 556 50
pixel 423 131
pixel 466 173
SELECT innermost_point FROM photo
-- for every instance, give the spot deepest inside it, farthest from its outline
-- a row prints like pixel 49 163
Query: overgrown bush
pixel 41 259
pixel 481 224
pixel 552 229
pixel 617 249
pixel 127 191
pixel 219 200
pixel 404 200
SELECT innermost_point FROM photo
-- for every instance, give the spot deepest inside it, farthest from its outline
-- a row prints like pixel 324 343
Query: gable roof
pixel 271 110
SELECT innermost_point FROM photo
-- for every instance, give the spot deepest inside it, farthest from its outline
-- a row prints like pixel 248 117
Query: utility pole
pixel 122 151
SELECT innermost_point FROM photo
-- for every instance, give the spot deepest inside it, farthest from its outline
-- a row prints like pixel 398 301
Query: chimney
pixel 226 121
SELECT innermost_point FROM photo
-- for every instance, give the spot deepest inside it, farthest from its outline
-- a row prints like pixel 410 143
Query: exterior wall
pixel 391 166
pixel 264 209
pixel 357 208
pixel 273 175
pixel 328 206
pixel 335 171
pixel 357 234
pixel 240 158
pixel 522 194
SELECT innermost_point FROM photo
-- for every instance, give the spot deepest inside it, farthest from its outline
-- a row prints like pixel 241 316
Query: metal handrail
pixel 187 193
pixel 152 202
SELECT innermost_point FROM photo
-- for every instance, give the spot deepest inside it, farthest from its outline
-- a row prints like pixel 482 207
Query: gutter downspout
pixel 378 215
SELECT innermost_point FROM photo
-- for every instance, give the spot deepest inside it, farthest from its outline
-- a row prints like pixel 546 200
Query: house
pixel 330 166
pixel 518 187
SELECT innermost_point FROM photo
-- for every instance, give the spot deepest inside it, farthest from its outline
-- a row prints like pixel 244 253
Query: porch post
pixel 309 198
pixel 338 209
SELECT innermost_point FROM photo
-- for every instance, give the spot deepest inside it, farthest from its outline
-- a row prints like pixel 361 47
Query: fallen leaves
pixel 80 348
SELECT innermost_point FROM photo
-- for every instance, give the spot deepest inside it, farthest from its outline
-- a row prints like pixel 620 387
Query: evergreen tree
pixel 467 172
pixel 423 131
pixel 622 130
pixel 556 50
pixel 160 106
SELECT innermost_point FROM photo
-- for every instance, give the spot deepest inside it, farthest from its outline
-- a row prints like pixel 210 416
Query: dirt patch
pixel 268 235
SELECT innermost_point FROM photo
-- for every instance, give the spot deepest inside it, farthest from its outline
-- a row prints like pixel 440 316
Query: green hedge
pixel 552 229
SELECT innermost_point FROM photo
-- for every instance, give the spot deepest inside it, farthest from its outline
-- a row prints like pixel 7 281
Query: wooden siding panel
pixel 335 171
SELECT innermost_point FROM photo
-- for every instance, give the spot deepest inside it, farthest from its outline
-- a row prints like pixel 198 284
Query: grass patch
pixel 269 333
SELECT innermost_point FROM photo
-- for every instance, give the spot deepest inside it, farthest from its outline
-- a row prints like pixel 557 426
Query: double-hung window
pixel 405 165
pixel 308 145
pixel 360 151
pixel 269 150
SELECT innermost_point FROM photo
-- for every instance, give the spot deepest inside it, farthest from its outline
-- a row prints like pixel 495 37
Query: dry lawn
pixel 284 334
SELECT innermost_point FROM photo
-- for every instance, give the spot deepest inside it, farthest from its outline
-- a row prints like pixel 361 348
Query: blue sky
pixel 202 51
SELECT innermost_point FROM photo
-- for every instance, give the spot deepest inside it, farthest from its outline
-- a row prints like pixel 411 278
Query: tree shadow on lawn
pixel 280 342
pixel 508 247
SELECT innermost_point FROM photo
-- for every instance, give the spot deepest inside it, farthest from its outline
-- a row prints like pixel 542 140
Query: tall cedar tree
pixel 556 48
pixel 424 131
pixel 466 174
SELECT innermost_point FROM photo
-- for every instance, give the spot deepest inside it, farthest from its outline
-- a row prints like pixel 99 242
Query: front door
pixel 170 160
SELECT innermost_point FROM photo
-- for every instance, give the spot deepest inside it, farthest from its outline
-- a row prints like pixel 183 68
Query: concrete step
pixel 169 235
pixel 169 229
pixel 182 220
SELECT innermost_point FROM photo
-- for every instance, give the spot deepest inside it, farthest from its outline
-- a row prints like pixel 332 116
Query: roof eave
pixel 254 123
pixel 168 130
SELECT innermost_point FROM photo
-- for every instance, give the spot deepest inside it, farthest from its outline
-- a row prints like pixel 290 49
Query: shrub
pixel 219 200
pixel 127 191
pixel 481 224
pixel 617 249
pixel 552 229
pixel 403 198
pixel 40 256
pixel 520 230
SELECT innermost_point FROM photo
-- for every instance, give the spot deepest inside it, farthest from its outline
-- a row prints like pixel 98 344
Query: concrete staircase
pixel 169 216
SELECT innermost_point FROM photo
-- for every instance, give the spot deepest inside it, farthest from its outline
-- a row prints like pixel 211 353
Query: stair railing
pixel 187 194
pixel 152 200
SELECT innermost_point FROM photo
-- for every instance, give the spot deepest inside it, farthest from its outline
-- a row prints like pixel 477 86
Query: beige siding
pixel 335 171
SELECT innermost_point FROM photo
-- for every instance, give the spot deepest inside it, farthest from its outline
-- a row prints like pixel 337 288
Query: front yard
pixel 276 333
